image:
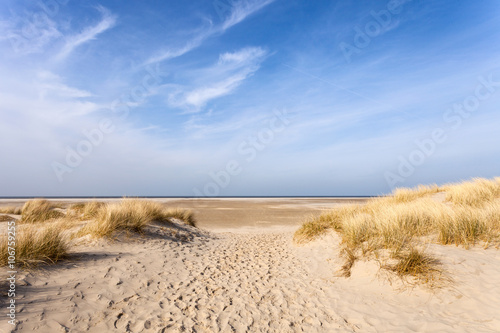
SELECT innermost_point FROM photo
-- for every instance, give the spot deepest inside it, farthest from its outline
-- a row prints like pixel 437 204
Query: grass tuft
pixel 350 259
pixel 11 210
pixel 39 210
pixel 185 216
pixel 4 218
pixel 410 194
pixel 87 210
pixel 416 263
pixel 35 245
pixel 310 230
pixel 131 215
pixel 316 226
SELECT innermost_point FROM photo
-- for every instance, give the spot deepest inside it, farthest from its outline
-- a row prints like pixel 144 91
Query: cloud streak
pixel 177 52
pixel 219 80
pixel 108 21
pixel 239 11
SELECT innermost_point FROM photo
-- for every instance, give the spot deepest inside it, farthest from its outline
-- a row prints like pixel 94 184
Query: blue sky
pixel 246 97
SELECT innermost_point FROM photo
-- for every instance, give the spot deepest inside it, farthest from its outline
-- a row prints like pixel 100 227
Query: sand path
pixel 246 280
pixel 216 283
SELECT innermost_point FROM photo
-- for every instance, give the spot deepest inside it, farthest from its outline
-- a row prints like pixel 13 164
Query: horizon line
pixel 192 197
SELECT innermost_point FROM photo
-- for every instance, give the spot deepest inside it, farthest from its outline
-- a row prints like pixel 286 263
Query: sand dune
pixel 249 279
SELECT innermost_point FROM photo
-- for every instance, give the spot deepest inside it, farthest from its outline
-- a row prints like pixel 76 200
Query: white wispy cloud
pixel 177 52
pixel 201 96
pixel 50 84
pixel 219 80
pixel 241 10
pixel 244 56
pixel 238 12
pixel 108 21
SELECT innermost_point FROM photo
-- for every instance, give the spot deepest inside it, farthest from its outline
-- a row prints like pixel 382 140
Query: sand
pixel 241 272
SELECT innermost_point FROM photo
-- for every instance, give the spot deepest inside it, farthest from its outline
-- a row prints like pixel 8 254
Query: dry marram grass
pixel 35 245
pixel 86 210
pixel 185 216
pixel 131 215
pixel 475 193
pixel 46 242
pixel 11 210
pixel 316 226
pixel 408 194
pixel 416 263
pixel 470 213
pixel 4 218
pixel 39 210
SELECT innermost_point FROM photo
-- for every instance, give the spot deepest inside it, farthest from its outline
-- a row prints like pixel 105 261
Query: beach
pixel 249 166
pixel 240 271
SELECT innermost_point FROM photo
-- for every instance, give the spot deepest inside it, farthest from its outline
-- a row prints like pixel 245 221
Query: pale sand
pixel 241 272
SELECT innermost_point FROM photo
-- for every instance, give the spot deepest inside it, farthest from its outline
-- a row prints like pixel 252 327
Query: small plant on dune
pixel 86 210
pixel 4 218
pixel 11 210
pixel 310 230
pixel 185 216
pixel 77 207
pixel 35 245
pixel 39 210
pixel 316 226
pixel 350 259
pixel 123 216
pixel 416 263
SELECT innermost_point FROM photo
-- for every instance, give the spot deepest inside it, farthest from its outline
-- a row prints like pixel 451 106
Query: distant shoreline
pixel 188 197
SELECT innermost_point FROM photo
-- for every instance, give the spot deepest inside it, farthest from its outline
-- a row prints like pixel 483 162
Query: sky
pixel 246 97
